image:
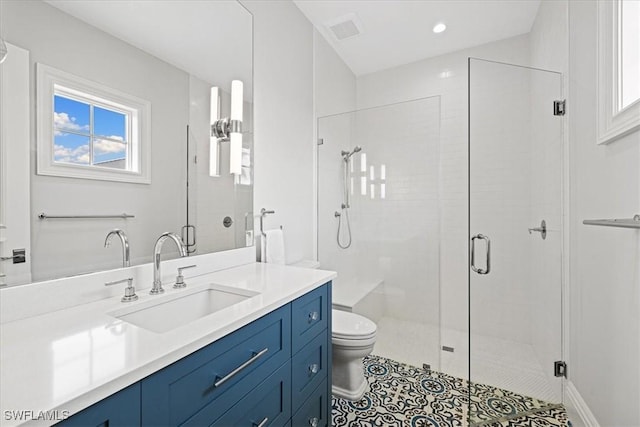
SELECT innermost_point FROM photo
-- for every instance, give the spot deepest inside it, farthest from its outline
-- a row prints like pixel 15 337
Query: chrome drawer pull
pixel 313 316
pixel 231 374
pixel 313 422
pixel 313 369
pixel 263 422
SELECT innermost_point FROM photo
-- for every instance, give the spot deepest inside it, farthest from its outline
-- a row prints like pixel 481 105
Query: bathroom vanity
pixel 264 361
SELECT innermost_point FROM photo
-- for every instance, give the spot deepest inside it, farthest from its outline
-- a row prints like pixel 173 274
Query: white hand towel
pixel 275 246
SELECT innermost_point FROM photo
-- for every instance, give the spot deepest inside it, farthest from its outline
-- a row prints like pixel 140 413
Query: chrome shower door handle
pixel 473 254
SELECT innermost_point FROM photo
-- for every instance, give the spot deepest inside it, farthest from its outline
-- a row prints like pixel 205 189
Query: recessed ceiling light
pixel 439 27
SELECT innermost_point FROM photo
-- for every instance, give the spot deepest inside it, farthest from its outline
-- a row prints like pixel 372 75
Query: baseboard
pixel 576 406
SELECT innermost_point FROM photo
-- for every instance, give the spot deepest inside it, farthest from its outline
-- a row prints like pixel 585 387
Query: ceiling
pixel 397 32
pixel 210 39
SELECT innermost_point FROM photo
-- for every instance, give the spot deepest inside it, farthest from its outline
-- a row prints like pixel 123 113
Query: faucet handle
pixel 180 283
pixel 129 291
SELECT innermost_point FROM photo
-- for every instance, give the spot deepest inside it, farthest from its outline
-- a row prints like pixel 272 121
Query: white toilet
pixel 353 337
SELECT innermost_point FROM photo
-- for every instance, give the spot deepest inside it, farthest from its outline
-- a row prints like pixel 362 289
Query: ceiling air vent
pixel 344 27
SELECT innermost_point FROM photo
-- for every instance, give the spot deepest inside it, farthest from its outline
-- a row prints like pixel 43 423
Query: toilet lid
pixel 351 326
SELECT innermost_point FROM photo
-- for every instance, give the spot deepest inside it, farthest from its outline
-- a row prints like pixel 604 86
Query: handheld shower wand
pixel 344 213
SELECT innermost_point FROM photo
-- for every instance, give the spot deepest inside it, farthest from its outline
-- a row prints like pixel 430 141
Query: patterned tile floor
pixel 403 395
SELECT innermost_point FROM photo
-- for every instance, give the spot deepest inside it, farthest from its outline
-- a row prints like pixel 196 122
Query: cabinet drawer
pixel 269 404
pixel 174 394
pixel 309 316
pixel 314 412
pixel 118 410
pixel 309 368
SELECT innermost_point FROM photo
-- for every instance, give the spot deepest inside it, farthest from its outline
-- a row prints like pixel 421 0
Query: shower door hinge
pixel 320 141
pixel 560 369
pixel 559 107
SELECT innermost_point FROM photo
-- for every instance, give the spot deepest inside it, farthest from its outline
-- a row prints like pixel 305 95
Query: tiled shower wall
pixel 394 213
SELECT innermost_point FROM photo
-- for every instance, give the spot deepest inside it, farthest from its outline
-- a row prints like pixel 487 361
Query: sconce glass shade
pixel 227 129
pixel 237 98
pixel 214 111
pixel 235 137
pixel 3 51
pixel 235 153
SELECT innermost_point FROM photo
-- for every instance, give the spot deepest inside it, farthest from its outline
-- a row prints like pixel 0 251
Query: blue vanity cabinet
pixel 121 409
pixel 275 371
pixel 207 383
pixel 310 316
pixel 315 411
pixel 311 358
pixel 309 368
pixel 269 404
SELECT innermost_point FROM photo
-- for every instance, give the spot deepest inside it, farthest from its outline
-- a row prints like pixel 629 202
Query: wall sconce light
pixel 226 129
pixel 3 51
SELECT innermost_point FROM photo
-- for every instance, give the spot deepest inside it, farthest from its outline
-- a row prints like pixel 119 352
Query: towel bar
pixel 622 222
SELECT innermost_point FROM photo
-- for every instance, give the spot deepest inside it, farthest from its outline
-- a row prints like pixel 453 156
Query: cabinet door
pixel 269 404
pixel 216 377
pixel 310 316
pixel 315 411
pixel 118 410
pixel 309 368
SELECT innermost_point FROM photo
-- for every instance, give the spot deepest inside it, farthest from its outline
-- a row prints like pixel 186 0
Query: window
pixel 87 130
pixel 618 68
pixel 629 48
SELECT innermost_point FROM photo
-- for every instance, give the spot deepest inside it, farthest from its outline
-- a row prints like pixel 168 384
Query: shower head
pixel 348 154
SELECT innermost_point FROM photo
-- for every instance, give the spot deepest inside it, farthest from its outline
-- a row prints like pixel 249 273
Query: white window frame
pixel 613 122
pixel 51 81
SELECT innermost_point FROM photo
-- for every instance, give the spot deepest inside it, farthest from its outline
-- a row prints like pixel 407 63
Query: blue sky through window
pixel 72 118
pixel 70 115
pixel 109 123
pixel 71 148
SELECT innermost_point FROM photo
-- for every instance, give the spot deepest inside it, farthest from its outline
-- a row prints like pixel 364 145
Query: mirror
pixel 168 54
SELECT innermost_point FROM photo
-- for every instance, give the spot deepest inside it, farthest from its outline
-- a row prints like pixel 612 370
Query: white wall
pixel 334 82
pixel 63 247
pixel 283 99
pixel 605 262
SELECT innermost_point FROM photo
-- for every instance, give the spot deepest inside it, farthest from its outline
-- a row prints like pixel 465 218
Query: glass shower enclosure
pixel 515 239
pixel 381 191
pixel 378 222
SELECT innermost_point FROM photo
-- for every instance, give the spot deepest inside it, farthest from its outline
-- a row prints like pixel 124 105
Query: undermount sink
pixel 180 309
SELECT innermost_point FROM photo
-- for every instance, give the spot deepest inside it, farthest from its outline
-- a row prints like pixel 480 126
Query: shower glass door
pixel 378 223
pixel 515 279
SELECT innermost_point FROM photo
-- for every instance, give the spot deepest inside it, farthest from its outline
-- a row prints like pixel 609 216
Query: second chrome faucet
pixel 157 277
pixel 126 259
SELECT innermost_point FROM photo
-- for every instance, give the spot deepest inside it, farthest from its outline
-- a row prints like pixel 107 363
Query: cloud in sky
pixel 76 155
pixel 82 155
pixel 106 146
pixel 64 121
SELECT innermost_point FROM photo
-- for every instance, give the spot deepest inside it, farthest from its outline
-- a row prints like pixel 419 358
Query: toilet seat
pixel 349 327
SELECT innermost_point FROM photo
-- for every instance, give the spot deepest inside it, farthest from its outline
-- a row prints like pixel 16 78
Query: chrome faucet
pixel 126 261
pixel 157 280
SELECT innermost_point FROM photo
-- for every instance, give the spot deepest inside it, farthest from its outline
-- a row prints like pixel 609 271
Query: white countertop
pixel 66 360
